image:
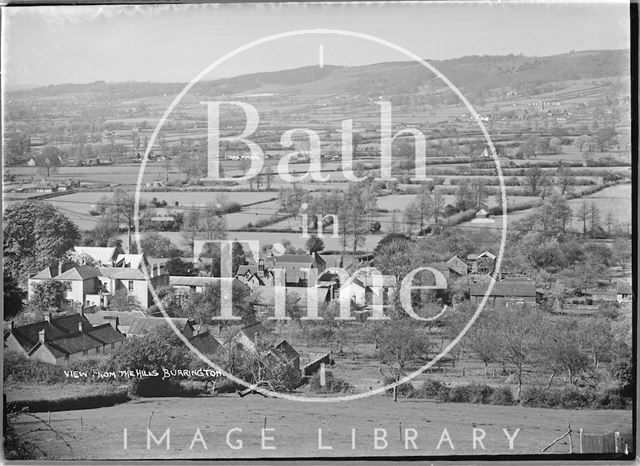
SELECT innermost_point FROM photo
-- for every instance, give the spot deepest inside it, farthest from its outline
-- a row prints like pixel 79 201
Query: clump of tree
pixel 35 235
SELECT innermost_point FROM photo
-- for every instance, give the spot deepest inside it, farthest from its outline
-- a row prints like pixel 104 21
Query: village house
pixel 254 275
pixel 299 269
pixel 96 284
pixel 507 292
pixel 56 339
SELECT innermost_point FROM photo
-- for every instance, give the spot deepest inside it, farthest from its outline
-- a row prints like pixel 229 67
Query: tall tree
pixel 583 215
pixel 36 235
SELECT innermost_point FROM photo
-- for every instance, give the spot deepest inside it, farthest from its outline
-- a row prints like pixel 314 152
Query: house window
pixel 113 345
pixel 97 350
pixel 130 285
pixel 84 353
pixel 67 286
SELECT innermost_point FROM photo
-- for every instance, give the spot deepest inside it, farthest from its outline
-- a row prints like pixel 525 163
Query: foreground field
pixel 98 433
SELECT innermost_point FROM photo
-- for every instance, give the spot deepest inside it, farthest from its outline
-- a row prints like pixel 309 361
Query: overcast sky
pixel 51 45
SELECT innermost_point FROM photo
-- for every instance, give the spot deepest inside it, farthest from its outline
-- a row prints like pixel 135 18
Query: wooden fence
pixel 611 442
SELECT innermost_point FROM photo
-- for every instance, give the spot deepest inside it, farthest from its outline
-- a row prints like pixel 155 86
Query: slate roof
pixel 59 327
pixel 285 348
pixel 206 343
pixel 79 272
pixel 506 288
pixel 295 258
pixel 143 325
pixel 51 272
pixel 122 273
pixel 105 333
pixel 243 269
pixel 76 343
pixel 125 318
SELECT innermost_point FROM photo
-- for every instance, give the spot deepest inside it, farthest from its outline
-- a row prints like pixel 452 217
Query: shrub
pixel 459 394
pixel 70 403
pixel 430 389
pixel 332 384
pixel 501 396
pixel 479 393
pixel 572 398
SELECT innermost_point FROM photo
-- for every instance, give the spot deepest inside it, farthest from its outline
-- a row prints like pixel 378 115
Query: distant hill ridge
pixel 470 73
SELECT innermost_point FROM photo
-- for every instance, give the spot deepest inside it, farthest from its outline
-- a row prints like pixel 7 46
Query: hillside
pixel 471 74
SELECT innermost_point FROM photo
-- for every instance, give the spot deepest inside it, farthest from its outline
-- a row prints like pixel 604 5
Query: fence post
pixel 570 440
pixel 580 439
pixel 616 441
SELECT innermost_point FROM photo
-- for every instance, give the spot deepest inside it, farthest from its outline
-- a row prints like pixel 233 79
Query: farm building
pixel 457 266
pixel 483 263
pixel 505 292
pixel 284 353
pixel 63 338
pixel 249 336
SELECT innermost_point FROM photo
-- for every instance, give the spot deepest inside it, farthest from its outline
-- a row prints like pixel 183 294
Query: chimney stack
pixel 47 317
pixel 80 326
pixel 12 325
pixel 59 267
pixel 41 335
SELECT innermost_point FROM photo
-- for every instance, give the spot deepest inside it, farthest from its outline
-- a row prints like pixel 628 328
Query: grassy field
pixel 98 433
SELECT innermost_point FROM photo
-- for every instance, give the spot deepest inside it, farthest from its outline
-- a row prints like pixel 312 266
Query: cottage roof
pixel 144 325
pixel 285 348
pixel 46 273
pixel 79 272
pixel 105 333
pixel 125 318
pixel 76 343
pixel 58 327
pixel 122 273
